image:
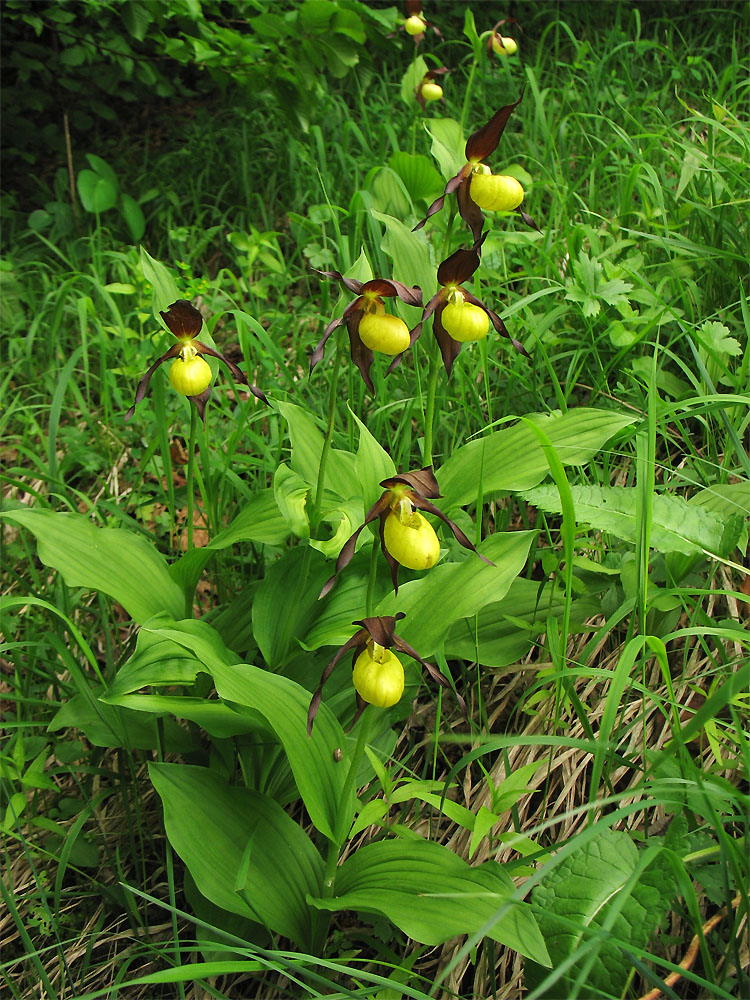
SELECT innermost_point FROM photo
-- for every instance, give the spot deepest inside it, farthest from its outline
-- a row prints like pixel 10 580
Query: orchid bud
pixel 415 25
pixel 496 192
pixel 431 91
pixel 503 46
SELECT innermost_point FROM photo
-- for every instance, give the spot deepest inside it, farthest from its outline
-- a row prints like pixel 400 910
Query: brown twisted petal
pixel 497 323
pixel 434 672
pixel 381 628
pixel 458 534
pixel 528 220
pixel 317 355
pixel 357 642
pixel 142 386
pixel 450 187
pixel 351 283
pixel 347 549
pixel 389 287
pixel 484 141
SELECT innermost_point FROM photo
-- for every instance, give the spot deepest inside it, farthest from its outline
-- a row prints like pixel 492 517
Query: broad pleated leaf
pixel 433 895
pixel 116 562
pixel 513 459
pixel 307 447
pixel 211 825
pixel 457 590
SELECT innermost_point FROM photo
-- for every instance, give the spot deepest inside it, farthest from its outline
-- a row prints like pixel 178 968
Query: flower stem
pixel 191 475
pixel 332 396
pixel 345 813
pixel 429 418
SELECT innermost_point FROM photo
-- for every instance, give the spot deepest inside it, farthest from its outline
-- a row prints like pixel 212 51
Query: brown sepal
pixel 449 348
pixel 484 141
pixel 199 402
pixel 382 628
pixel 356 641
pixel 434 672
pixel 394 566
pixel 468 209
pixel 183 319
pixel 422 481
pixel 362 356
pixel 458 534
pixel 388 287
pixel 142 386
pixel 461 265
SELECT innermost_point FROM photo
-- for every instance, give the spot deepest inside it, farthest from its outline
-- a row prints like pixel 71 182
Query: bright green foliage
pixel 605 897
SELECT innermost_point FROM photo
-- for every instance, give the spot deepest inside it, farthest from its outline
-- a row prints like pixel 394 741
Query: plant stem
pixel 191 475
pixel 345 813
pixel 429 417
pixel 332 396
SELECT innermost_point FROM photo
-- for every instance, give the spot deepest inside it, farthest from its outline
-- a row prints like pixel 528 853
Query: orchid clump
pixel 475 185
pixel 370 327
pixel 377 673
pixel 406 537
pixel 189 374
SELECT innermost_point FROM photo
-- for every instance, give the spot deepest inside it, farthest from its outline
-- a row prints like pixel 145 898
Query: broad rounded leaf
pixel 97 194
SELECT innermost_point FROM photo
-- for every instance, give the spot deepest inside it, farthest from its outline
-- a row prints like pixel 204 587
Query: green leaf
pixel 113 726
pixel 372 463
pixel 97 194
pixel 715 337
pixel 116 562
pixel 286 604
pixel 283 704
pixel 101 167
pixel 260 520
pixel 243 851
pixel 676 526
pixel 411 79
pixel 133 215
pixel 512 459
pixel 161 279
pixel 420 178
pixel 432 895
pixel 290 492
pixel 411 261
pixel 307 448
pixel 603 888
pixel 470 30
pixel 456 590
pixel 448 145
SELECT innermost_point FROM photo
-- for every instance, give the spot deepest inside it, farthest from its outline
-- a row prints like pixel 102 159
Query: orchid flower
pixel 406 537
pixel 377 674
pixel 370 327
pixel 189 374
pixel 476 186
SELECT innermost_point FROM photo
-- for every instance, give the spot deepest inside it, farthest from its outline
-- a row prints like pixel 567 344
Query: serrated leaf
pixel 716 337
pixel 676 526
pixel 574 900
pixel 432 895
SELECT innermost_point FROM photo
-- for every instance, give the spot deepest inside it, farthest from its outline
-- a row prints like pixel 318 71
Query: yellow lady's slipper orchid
pixel 190 374
pixel 479 146
pixel 503 45
pixel 412 542
pixel 370 328
pixel 378 674
pixel 496 192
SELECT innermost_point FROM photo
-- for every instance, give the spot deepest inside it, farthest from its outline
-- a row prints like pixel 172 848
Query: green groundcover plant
pixel 278 765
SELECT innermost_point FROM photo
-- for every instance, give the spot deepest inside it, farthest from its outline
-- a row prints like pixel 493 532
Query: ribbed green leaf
pixel 457 590
pixel 210 825
pixel 432 895
pixel 307 447
pixel 513 459
pixel 116 562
